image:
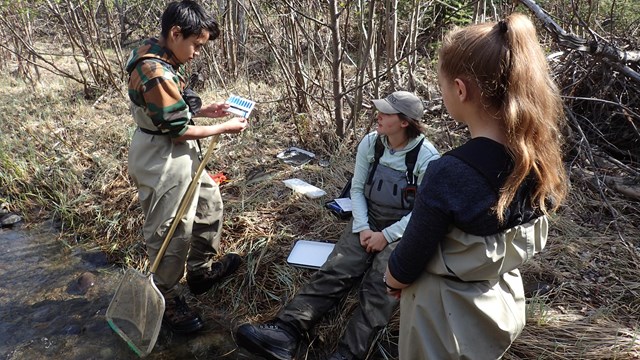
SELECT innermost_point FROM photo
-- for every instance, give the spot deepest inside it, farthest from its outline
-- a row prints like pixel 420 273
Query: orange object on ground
pixel 219 178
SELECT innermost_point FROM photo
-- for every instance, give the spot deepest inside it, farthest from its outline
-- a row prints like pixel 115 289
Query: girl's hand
pixel 235 125
pixel 395 293
pixel 214 110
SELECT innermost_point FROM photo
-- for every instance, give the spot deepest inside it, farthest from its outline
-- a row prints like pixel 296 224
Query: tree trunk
pixel 336 67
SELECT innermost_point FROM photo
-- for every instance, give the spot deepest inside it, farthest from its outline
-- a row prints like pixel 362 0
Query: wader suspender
pixel 410 159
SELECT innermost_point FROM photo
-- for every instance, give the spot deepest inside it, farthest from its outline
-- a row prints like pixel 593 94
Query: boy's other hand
pixel 214 110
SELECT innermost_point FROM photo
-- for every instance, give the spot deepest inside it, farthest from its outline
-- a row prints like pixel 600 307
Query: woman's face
pixel 186 49
pixel 390 124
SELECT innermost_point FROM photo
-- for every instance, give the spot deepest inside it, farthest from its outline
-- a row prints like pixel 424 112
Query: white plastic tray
pixel 311 254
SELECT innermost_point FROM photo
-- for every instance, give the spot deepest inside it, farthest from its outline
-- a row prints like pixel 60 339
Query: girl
pixel 481 211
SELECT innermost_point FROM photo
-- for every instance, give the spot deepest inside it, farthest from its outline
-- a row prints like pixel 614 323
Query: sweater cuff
pixel 387 236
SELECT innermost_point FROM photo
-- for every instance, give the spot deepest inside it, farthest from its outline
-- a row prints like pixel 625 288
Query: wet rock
pixel 106 353
pixel 72 329
pixel 10 220
pixel 95 259
pixel 97 325
pixel 42 312
pixel 4 209
pixel 82 284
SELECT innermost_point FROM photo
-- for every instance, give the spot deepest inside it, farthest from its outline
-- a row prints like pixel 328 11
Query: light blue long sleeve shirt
pixel 394 160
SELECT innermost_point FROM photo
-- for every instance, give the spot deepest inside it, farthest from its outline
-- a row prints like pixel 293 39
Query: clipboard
pixel 310 254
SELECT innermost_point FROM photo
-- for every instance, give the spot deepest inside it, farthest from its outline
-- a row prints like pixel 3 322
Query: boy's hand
pixel 214 110
pixel 235 125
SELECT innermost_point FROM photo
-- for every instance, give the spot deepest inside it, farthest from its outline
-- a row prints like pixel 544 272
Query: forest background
pixel 313 66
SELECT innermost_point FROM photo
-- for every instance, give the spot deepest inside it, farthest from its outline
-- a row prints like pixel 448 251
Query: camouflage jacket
pixel 156 83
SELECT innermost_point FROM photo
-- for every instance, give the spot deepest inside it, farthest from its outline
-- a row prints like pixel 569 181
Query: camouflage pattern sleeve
pixel 158 90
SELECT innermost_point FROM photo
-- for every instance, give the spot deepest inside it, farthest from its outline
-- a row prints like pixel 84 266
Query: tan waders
pixel 469 304
pixel 162 171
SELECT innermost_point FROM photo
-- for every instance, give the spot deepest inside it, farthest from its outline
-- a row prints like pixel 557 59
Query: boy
pixel 164 155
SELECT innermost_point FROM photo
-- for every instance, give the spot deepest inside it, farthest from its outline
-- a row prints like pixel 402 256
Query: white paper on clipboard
pixel 310 254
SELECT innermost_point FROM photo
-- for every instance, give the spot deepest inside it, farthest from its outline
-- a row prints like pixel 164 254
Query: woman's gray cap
pixel 401 102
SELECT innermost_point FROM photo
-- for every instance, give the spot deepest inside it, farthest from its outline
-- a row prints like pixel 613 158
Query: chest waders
pixel 161 170
pixel 390 193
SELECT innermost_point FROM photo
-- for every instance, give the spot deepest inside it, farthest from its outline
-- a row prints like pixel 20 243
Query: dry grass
pixel 65 157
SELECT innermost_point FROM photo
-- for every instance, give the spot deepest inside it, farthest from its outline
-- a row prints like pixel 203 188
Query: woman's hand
pixel 235 125
pixel 376 242
pixel 214 110
pixel 365 235
pixel 394 293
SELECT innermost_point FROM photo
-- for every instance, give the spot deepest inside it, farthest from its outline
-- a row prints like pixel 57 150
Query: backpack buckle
pixel 409 193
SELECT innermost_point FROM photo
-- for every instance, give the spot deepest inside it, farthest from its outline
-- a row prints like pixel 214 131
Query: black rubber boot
pixel 272 340
pixel 200 281
pixel 180 318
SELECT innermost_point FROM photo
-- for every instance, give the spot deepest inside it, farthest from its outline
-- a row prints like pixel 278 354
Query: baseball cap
pixel 401 102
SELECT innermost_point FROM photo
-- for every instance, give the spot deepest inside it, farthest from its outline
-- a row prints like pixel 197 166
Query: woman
pixel 382 194
pixel 481 211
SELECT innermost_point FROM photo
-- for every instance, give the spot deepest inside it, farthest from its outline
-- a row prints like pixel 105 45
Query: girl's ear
pixel 461 89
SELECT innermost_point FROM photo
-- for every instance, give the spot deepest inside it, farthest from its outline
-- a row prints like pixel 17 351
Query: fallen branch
pixel 595 48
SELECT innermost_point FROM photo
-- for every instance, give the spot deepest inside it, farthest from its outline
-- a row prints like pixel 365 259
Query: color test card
pixel 240 106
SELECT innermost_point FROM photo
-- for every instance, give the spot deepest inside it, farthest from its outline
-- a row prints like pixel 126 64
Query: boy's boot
pixel 179 317
pixel 200 281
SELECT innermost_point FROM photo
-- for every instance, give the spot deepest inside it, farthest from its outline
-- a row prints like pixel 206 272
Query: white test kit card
pixel 304 187
pixel 311 254
pixel 240 106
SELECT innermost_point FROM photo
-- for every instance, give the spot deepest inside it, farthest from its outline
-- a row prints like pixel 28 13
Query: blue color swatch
pixel 240 106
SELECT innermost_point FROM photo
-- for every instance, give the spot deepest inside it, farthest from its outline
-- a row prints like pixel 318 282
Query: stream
pixel 53 301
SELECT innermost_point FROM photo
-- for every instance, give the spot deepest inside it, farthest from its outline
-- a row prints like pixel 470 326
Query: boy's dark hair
pixel 191 18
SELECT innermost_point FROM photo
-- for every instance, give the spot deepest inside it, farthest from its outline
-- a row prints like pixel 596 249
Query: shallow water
pixel 53 302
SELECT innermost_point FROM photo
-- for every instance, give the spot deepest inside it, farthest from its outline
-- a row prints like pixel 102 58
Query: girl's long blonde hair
pixel 506 63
